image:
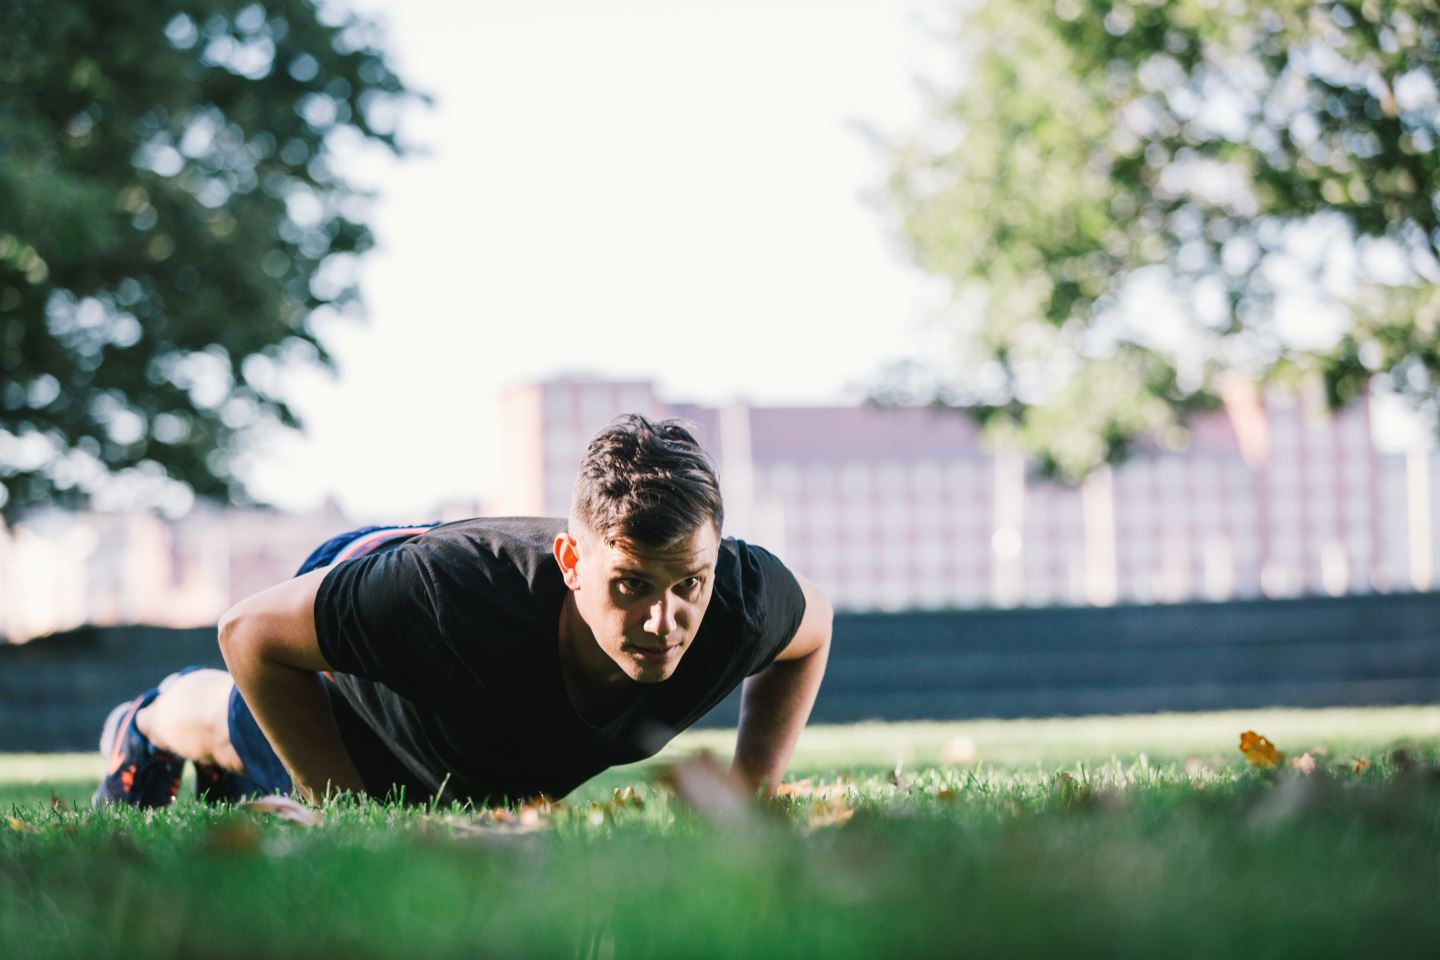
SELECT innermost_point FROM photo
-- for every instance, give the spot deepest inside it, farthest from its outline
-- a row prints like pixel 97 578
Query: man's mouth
pixel 655 654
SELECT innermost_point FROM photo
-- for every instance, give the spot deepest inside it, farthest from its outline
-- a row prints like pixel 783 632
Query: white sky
pixel 648 189
pixel 639 188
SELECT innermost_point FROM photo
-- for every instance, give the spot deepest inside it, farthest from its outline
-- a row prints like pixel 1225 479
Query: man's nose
pixel 662 618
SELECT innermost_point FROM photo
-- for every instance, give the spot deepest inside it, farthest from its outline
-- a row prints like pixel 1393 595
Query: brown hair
pixel 647 482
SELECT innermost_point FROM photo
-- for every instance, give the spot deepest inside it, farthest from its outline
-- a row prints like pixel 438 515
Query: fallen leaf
pixel 1360 765
pixel 284 808
pixel 710 790
pixel 831 813
pixel 1259 751
pixel 21 826
pixel 947 796
pixel 59 804
pixel 899 780
pixel 627 798
pixel 234 836
pixel 1303 764
pixel 806 789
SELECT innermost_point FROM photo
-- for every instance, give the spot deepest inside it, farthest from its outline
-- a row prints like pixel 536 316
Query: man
pixel 495 659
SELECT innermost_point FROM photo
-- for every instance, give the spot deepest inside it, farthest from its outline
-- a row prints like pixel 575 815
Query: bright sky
pixel 639 188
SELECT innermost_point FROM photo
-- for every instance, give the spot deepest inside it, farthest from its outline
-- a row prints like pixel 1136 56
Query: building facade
pixel 907 508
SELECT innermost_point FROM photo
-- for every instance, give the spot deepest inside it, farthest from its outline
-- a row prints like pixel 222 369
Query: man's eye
pixel 629 585
pixel 690 583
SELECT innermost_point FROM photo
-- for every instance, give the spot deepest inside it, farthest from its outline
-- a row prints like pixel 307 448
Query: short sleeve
pixel 774 604
pixel 376 617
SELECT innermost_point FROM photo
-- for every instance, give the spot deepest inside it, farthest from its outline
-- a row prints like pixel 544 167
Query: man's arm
pixel 776 702
pixel 270 648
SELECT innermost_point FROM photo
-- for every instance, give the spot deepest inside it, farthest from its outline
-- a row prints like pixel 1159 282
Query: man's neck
pixel 598 689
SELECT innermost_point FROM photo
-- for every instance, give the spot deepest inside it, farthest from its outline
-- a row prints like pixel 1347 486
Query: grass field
pixel 1135 836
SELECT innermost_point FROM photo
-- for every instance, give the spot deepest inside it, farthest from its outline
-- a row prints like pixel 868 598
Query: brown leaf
pixel 284 808
pixel 805 789
pixel 1259 751
pixel 1360 765
pixel 59 804
pixel 947 796
pixel 831 813
pixel 710 790
pixel 20 826
pixel 627 798
pixel 234 836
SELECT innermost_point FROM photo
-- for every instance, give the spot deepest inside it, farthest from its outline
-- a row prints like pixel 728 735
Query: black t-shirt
pixel 446 658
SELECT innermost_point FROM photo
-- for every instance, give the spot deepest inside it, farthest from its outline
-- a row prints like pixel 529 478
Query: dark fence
pixel 1308 652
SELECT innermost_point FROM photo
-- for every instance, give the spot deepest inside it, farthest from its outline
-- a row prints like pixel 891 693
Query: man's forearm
pixel 293 710
pixel 774 705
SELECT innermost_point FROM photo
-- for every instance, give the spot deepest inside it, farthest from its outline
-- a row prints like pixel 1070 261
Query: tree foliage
pixel 1136 199
pixel 171 221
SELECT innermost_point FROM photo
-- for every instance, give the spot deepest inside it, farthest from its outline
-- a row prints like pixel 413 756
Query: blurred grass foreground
pixel 1124 835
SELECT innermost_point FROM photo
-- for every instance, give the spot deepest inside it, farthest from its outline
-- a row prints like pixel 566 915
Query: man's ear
pixel 567 554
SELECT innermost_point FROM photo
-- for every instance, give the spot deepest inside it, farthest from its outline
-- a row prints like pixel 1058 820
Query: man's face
pixel 644 604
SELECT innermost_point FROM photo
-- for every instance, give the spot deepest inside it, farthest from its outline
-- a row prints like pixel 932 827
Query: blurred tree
pixel 170 222
pixel 1133 199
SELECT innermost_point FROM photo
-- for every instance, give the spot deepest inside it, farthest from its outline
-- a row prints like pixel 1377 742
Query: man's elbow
pixel 229 631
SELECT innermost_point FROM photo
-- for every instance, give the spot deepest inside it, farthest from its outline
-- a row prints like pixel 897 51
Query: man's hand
pixel 270 648
pixel 776 702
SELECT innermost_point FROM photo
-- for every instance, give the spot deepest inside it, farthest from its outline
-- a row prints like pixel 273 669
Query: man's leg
pixel 146 742
pixel 190 718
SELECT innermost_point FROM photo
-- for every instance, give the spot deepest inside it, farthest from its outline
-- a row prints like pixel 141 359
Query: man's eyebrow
pixel 641 574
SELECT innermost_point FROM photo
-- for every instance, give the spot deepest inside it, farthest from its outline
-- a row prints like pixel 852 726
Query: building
pixel 885 508
pixel 907 508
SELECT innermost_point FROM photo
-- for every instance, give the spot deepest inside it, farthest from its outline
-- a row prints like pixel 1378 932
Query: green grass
pixel 1135 836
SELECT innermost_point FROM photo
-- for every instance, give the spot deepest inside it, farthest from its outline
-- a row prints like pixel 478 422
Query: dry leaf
pixel 1360 765
pixel 1259 751
pixel 832 813
pixel 59 804
pixel 235 836
pixel 947 796
pixel 1303 764
pixel 806 789
pixel 627 798
pixel 710 790
pixel 898 780
pixel 285 808
pixel 21 826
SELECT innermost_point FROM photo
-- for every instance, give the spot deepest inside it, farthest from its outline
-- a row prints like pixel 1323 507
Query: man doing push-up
pixel 495 659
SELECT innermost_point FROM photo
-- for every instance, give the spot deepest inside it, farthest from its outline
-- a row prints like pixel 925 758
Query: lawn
pixel 1134 836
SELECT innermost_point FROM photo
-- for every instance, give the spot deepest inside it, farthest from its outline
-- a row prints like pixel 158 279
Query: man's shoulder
pixel 516 534
pixel 495 559
pixel 751 579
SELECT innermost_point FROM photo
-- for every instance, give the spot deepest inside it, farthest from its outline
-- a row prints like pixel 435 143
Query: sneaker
pixel 137 772
pixel 215 784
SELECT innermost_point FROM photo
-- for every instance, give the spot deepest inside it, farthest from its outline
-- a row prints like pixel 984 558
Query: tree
pixel 1135 200
pixel 171 220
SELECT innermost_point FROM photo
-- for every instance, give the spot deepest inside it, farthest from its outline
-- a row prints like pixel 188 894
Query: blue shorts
pixel 262 767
